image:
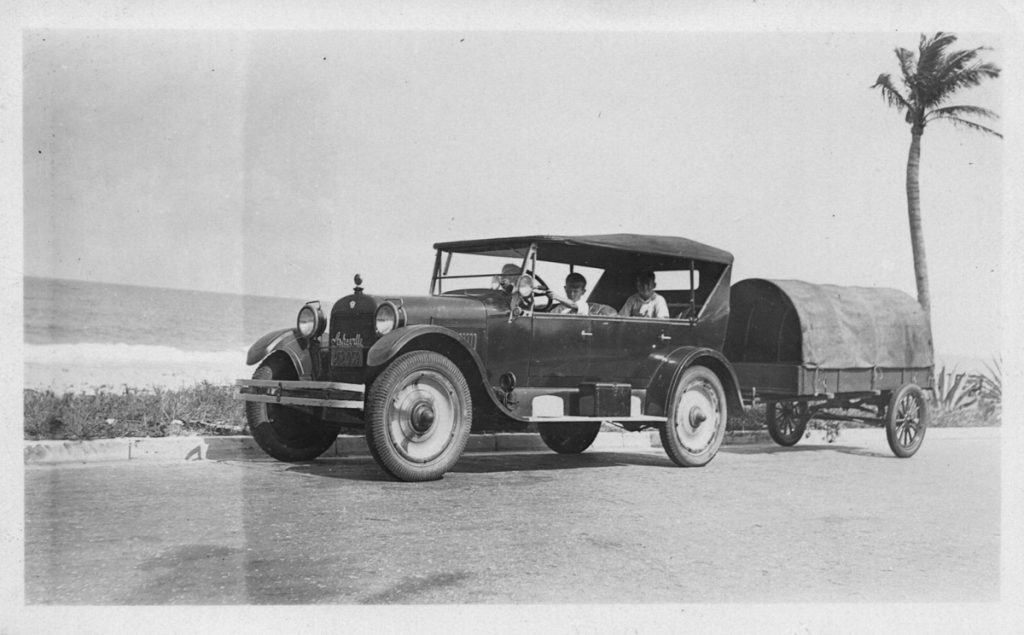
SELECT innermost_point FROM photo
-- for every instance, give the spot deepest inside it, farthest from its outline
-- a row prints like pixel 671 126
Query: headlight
pixel 386 318
pixel 525 286
pixel 310 322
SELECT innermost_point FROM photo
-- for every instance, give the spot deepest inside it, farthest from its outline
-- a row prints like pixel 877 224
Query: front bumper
pixel 302 393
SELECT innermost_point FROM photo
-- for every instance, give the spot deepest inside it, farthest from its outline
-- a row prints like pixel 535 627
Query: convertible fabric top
pixel 598 250
pixel 827 326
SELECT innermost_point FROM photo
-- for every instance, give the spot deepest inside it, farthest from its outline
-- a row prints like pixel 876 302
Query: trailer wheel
pixel 285 433
pixel 906 420
pixel 419 414
pixel 787 421
pixel 569 438
pixel 697 416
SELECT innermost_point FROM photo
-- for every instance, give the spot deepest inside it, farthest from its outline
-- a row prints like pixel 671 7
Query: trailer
pixel 833 353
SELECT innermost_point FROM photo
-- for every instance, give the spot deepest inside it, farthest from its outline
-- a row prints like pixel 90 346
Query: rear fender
pixel 286 342
pixel 659 391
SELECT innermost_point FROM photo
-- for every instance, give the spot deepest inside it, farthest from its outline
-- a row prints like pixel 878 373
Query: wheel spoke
pixel 908 420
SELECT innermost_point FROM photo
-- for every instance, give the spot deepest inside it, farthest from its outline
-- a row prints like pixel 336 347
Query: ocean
pixel 80 333
pixel 79 312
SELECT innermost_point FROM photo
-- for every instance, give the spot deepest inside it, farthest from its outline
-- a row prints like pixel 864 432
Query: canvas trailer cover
pixel 795 338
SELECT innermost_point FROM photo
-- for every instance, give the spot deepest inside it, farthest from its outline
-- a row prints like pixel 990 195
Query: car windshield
pixel 469 273
pixel 474 272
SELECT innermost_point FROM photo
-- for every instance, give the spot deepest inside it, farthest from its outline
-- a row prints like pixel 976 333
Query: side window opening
pixel 679 288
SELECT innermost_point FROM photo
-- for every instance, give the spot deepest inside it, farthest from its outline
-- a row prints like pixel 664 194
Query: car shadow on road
pixel 365 469
pixel 778 449
pixel 509 462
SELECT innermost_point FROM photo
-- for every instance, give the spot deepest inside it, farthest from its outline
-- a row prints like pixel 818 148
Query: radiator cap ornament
pixel 359 281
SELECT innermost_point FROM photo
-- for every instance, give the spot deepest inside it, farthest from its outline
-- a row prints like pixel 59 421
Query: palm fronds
pixel 932 55
pixel 932 75
pixel 953 80
pixel 890 94
pixel 908 64
pixel 956 111
pixel 970 125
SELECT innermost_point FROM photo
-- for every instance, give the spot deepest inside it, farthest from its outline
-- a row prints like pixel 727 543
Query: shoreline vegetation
pixel 208 408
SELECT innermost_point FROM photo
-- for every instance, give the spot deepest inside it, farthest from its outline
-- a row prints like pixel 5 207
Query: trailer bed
pixel 810 351
pixel 779 380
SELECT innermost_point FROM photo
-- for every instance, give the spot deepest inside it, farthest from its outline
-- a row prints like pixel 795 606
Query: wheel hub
pixel 422 417
pixel 697 417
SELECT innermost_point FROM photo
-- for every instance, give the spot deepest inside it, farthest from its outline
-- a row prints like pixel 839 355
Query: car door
pixel 508 346
pixel 628 349
pixel 560 350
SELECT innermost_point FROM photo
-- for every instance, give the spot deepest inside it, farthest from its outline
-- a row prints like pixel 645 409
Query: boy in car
pixel 645 302
pixel 575 287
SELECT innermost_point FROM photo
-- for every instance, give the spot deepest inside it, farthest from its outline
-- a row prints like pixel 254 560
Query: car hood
pixel 458 308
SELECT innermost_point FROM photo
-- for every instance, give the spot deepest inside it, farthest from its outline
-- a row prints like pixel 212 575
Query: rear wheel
pixel 419 415
pixel 697 415
pixel 906 420
pixel 569 438
pixel 285 433
pixel 787 421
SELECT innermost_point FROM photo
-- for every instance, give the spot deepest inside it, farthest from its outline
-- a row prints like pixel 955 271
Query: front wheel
pixel 697 415
pixel 419 415
pixel 787 421
pixel 569 438
pixel 906 420
pixel 285 433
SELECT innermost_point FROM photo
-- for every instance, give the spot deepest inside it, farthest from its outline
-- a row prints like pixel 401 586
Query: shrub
pixel 204 408
pixel 953 391
pixel 968 400
pixel 990 399
pixel 752 418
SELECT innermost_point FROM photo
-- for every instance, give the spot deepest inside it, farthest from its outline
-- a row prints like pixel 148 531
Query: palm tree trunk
pixel 916 231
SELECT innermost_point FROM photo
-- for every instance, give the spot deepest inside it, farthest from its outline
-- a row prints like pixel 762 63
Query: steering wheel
pixel 542 290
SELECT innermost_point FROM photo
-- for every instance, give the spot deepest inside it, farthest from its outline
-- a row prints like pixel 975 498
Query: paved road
pixel 842 522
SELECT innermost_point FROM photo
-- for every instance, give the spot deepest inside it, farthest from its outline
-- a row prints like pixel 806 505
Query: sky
pixel 283 162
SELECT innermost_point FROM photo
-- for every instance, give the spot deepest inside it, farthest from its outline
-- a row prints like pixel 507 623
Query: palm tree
pixel 931 77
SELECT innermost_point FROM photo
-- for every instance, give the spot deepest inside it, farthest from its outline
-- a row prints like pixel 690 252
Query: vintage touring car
pixel 491 345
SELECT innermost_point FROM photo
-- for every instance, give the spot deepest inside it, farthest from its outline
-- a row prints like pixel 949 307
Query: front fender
pixel 391 344
pixel 283 340
pixel 659 390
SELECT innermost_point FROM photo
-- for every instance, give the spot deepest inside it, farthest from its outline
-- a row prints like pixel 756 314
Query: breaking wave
pixel 120 353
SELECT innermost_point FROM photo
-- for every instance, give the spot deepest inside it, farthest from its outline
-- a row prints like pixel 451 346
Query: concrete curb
pixel 244 447
pixel 197 448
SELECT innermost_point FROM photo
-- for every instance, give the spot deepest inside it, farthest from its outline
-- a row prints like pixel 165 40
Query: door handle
pixel 664 338
pixel 586 333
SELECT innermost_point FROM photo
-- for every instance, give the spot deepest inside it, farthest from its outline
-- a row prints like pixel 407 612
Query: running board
pixel 571 418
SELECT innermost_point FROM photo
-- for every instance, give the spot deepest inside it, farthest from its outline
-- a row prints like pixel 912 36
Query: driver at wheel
pixel 575 287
